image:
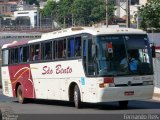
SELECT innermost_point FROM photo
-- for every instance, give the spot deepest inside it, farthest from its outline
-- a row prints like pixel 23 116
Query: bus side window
pixel 16 55
pixel 13 55
pixel 90 59
pixel 84 54
pixel 35 52
pixel 54 49
pixel 46 51
pixel 42 51
pixel 32 53
pixel 25 54
pixel 71 47
pixel 5 57
pixel 64 53
pixel 78 46
pixel 21 55
pixel 62 48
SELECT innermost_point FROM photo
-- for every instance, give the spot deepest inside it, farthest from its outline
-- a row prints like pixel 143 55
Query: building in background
pixel 7 8
pixel 134 4
pixel 19 13
pixel 142 2
pixel 27 18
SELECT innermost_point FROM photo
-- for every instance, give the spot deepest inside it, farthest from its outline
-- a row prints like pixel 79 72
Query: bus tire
pixel 20 96
pixel 77 97
pixel 123 104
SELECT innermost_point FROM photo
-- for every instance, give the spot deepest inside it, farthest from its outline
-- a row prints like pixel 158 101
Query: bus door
pixel 89 55
pixel 89 64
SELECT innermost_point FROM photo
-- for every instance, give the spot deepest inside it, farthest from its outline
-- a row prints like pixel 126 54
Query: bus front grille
pixel 133 84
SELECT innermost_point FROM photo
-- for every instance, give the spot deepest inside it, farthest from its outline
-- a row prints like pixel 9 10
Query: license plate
pixel 128 93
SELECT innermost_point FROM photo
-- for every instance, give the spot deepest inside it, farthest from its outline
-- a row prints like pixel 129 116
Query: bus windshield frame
pixel 114 54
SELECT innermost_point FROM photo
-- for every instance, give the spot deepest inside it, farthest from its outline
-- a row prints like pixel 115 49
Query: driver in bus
pixel 131 60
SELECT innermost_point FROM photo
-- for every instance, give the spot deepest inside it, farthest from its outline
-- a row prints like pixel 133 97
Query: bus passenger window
pixel 84 54
pixel 54 49
pixel 35 52
pixel 71 47
pixel 64 53
pixel 78 46
pixel 5 57
pixel 48 55
pixel 62 48
pixel 21 54
pixel 16 55
pixel 26 54
pixel 91 67
pixel 13 54
pixel 47 51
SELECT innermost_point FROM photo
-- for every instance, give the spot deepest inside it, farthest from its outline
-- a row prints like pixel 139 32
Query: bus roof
pixel 79 30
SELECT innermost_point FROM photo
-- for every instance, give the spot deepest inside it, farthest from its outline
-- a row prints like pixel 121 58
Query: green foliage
pixel 49 8
pixel 82 10
pixel 65 12
pixel 78 12
pixel 150 14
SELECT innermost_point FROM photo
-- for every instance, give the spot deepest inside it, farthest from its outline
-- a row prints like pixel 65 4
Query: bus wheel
pixel 20 97
pixel 77 97
pixel 123 104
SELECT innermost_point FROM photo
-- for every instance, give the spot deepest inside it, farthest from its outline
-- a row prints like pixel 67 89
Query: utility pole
pixel 118 8
pixel 72 20
pixel 128 13
pixel 106 13
pixel 38 17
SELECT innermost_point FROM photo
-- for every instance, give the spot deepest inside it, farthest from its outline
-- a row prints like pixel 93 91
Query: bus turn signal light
pixel 108 80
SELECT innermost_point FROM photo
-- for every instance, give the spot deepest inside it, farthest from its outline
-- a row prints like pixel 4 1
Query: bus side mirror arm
pixel 153 51
pixel 94 51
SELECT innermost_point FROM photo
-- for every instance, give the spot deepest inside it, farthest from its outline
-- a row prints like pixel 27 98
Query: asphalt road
pixel 55 109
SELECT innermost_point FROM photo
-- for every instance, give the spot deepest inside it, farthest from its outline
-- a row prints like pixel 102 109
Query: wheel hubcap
pixel 75 96
pixel 20 95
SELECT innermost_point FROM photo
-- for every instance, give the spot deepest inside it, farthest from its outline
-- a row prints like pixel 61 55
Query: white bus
pixel 80 64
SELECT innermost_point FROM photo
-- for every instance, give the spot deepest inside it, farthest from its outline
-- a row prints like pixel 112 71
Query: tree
pixel 50 8
pixel 99 11
pixel 65 12
pixel 150 14
pixel 77 12
pixel 91 11
pixel 81 10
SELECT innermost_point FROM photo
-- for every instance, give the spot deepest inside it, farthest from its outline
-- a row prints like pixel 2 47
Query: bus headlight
pixel 111 85
pixel 147 82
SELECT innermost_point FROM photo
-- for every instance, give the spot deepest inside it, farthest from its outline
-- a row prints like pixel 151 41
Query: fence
pixel 27 29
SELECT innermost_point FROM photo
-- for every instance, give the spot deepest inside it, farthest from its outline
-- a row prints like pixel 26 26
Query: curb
pixel 156 96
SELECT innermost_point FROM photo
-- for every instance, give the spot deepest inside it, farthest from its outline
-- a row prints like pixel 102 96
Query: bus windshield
pixel 123 55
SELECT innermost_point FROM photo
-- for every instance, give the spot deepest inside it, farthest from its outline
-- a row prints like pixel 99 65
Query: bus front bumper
pixel 125 93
